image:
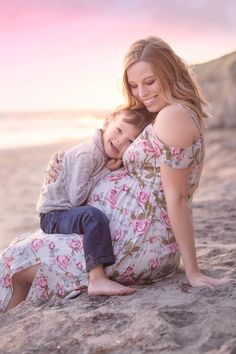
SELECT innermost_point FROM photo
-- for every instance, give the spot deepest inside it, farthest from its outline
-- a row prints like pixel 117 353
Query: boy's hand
pixel 54 167
pixel 114 164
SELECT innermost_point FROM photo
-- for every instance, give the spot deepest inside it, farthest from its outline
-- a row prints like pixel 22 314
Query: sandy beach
pixel 166 317
pixel 21 176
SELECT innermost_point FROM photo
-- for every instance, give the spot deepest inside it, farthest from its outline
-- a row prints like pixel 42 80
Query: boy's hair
pixel 138 117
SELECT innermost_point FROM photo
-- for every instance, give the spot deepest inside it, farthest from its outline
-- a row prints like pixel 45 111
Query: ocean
pixel 42 128
pixel 20 178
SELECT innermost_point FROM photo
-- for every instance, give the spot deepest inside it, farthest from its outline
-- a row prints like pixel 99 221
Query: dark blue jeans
pixel 85 220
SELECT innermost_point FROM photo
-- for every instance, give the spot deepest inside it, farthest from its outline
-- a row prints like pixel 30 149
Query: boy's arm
pixel 82 178
pixel 46 188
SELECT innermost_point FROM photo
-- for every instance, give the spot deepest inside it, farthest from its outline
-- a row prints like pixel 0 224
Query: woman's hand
pixel 114 164
pixel 54 167
pixel 199 279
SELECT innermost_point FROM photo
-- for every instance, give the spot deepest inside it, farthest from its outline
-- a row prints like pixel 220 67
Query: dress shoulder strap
pixel 192 115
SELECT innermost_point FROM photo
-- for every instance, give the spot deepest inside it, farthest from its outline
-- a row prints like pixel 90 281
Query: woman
pixel 148 202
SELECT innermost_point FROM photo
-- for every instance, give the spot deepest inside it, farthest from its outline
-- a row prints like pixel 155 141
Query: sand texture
pixel 166 317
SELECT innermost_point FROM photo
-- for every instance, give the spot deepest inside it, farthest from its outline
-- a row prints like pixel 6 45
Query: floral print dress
pixel 134 201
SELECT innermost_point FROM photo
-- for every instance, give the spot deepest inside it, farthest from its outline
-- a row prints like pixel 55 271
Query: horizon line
pixel 79 110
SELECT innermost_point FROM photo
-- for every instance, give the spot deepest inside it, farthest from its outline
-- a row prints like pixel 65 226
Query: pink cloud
pixel 57 50
pixel 23 15
pixel 202 17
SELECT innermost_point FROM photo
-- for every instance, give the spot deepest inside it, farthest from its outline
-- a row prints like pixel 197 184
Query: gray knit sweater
pixel 83 167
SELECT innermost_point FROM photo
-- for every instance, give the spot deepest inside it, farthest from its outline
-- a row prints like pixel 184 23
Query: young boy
pixel 60 203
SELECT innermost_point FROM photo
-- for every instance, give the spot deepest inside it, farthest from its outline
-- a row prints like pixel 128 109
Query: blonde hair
pixel 138 117
pixel 177 80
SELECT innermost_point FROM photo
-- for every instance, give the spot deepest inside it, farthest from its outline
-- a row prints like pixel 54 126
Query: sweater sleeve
pixel 82 177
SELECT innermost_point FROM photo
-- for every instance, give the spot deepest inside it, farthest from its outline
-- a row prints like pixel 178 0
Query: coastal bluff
pixel 218 81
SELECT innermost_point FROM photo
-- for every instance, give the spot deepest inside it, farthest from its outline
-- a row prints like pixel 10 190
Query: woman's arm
pixel 174 128
pixel 175 185
pixel 55 166
pixel 176 194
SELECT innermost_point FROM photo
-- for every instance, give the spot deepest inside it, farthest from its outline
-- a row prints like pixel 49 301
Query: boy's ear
pixel 106 123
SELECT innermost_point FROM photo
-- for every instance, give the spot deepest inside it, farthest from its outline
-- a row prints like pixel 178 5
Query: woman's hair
pixel 176 79
pixel 138 117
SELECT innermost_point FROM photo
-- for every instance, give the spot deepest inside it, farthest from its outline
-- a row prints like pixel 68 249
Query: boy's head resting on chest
pixel 121 128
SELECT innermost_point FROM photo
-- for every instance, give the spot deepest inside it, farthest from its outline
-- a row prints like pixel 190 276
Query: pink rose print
pixel 164 218
pixel 149 150
pixel 132 157
pixel 60 290
pixel 36 244
pixel 153 263
pixel 128 272
pixel 70 275
pixel 116 176
pixel 5 281
pixel 118 235
pixel 177 153
pixel 8 261
pixel 112 198
pixel 143 197
pixel 127 277
pixel 125 188
pixel 52 245
pixel 125 211
pixel 76 245
pixel 63 261
pixel 96 198
pixel 43 296
pixel 127 280
pixel 157 150
pixel 153 239
pixel 41 281
pixel 79 265
pixel 173 247
pixel 140 226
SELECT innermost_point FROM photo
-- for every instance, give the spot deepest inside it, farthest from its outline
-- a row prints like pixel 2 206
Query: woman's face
pixel 145 86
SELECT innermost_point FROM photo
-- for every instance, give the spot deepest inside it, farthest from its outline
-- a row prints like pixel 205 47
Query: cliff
pixel 218 80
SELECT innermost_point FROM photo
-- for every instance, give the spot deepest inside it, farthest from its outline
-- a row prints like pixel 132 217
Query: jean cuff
pixel 105 261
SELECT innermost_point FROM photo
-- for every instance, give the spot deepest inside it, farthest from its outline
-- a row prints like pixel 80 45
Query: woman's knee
pixel 26 275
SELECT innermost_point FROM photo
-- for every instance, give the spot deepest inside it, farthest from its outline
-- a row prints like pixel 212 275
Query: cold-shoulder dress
pixel 134 201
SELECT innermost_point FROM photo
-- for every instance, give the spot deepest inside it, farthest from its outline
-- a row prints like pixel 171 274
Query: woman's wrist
pixel 192 273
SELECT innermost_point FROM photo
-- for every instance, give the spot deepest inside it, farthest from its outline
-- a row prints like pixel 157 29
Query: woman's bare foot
pixel 99 284
pixel 104 286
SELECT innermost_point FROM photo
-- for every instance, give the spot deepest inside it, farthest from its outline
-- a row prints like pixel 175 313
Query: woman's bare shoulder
pixel 174 126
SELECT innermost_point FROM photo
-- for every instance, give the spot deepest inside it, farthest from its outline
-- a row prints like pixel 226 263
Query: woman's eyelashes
pixel 148 83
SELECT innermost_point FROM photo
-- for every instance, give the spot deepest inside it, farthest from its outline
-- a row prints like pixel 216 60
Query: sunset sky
pixel 67 54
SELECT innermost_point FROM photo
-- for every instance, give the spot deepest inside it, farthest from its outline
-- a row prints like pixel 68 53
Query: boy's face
pixel 117 136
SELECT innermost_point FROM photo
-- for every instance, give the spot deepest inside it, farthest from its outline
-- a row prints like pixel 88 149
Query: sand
pixel 166 317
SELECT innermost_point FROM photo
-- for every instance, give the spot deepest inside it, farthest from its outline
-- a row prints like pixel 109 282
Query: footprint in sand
pixel 111 322
pixel 214 293
pixel 177 316
pixel 181 319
